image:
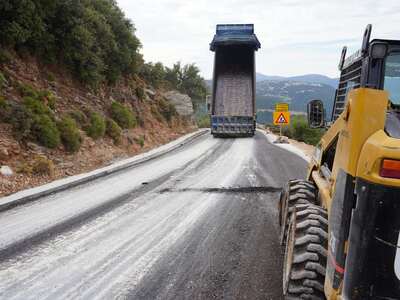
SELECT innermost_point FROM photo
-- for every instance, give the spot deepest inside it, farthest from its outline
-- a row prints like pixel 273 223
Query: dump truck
pixel 340 227
pixel 232 106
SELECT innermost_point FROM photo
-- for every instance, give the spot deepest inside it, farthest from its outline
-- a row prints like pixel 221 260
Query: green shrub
pixel 96 127
pixel 3 103
pixel 156 113
pixel 5 56
pixel 70 136
pixel 140 92
pixel 140 141
pixel 167 110
pixel 50 77
pixel 4 110
pixel 300 131
pixel 51 101
pixel 114 131
pixel 43 166
pixel 21 119
pixel 24 168
pixel 48 97
pixel 3 81
pixel 122 115
pixel 45 131
pixel 203 121
pixel 36 106
pixel 78 116
pixel 26 90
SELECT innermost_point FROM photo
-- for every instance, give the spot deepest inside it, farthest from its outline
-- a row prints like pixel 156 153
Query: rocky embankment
pixel 159 117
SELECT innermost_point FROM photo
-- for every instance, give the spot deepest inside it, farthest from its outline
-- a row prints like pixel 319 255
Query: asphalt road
pixel 197 223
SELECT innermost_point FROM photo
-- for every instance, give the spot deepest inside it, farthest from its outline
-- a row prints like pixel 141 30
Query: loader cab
pixel 377 66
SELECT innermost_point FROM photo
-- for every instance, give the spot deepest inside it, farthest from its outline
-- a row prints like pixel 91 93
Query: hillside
pixel 296 93
pixel 75 93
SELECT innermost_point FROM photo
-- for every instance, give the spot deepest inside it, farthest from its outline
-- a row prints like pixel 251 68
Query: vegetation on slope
pixel 91 37
pixel 300 131
pixel 185 79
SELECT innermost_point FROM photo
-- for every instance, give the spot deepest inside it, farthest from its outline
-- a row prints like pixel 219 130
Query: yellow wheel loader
pixel 340 227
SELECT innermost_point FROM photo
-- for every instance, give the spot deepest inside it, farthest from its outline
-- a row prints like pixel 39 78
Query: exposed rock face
pixel 6 171
pixel 182 102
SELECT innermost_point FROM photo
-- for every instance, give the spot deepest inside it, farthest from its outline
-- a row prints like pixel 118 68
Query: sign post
pixel 281 115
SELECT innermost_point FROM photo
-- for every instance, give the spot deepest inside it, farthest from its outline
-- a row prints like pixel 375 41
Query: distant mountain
pixel 262 77
pixel 313 78
pixel 333 82
pixel 296 93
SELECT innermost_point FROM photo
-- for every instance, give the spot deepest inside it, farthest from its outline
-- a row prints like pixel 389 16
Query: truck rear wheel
pixel 295 192
pixel 304 264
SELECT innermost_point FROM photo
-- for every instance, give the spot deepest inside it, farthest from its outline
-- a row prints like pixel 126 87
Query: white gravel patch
pixel 289 147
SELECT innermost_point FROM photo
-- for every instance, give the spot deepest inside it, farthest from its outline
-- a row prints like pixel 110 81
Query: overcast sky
pixel 297 36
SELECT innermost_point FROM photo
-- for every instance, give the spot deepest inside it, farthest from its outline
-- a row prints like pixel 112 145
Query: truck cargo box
pixel 233 98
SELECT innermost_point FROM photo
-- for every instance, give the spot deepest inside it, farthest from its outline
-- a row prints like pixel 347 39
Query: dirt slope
pixel 153 129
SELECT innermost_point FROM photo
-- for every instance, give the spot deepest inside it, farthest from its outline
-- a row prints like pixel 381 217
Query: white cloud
pixel 297 36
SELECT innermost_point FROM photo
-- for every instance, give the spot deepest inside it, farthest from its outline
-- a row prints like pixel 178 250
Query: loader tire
pixel 304 265
pixel 295 192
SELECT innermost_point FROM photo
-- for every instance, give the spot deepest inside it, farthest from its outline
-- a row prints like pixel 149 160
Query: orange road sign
pixel 282 107
pixel 281 118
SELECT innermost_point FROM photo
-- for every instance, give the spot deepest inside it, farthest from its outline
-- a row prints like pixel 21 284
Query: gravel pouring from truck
pixel 233 98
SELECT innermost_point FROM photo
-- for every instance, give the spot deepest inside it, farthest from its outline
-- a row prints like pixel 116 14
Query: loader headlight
pixel 390 168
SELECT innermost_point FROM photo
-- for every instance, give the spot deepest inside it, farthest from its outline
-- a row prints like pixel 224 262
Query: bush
pixel 21 119
pixel 203 121
pixel 4 110
pixel 5 56
pixel 140 92
pixel 78 116
pixel 24 168
pixel 96 127
pixel 140 141
pixel 114 131
pixel 50 77
pixel 122 115
pixel 167 110
pixel 48 97
pixel 45 131
pixel 26 90
pixel 70 136
pixel 36 106
pixel 43 166
pixel 299 130
pixel 156 113
pixel 32 120
pixel 3 81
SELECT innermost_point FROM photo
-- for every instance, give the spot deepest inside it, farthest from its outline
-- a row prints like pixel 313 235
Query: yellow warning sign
pixel 281 118
pixel 282 107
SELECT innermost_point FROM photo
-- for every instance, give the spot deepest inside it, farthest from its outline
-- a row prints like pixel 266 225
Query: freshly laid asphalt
pixel 197 223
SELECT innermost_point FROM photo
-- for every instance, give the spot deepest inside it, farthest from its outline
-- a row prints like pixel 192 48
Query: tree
pixel 92 38
pixel 185 79
pixel 192 83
